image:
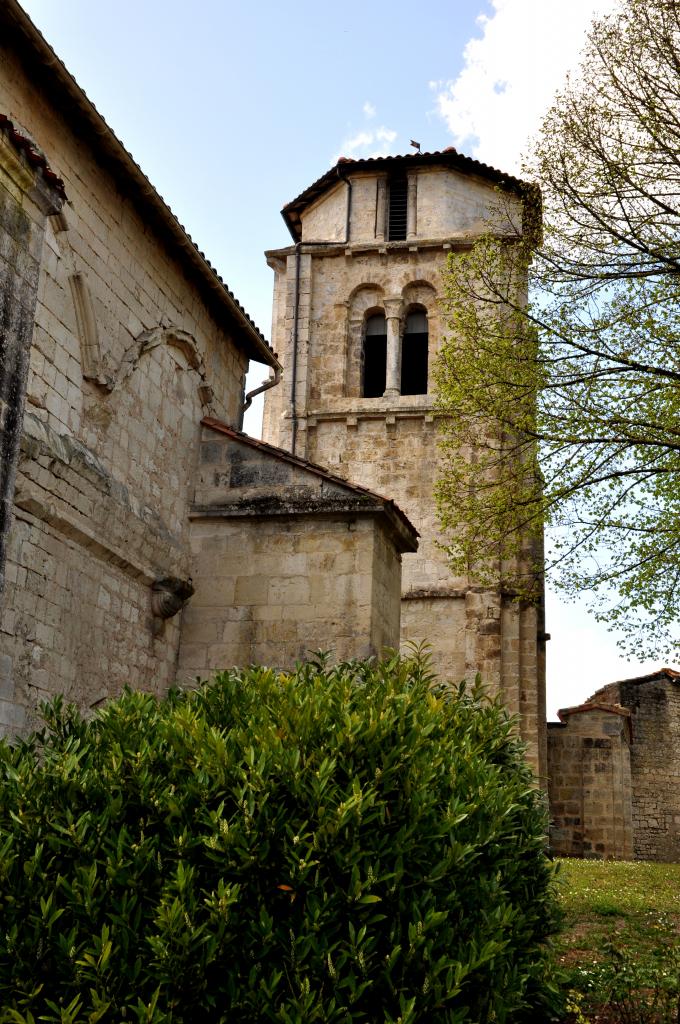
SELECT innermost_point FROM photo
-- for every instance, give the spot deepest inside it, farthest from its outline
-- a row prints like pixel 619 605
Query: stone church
pixel 145 539
pixel 358 324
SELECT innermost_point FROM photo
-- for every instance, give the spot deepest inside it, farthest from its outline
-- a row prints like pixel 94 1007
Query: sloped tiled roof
pixel 650 677
pixel 35 158
pixel 591 705
pixel 286 456
pixel 64 91
pixel 449 157
pixel 669 673
pixel 602 698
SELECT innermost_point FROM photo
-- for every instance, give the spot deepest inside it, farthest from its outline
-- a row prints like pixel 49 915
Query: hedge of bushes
pixel 335 845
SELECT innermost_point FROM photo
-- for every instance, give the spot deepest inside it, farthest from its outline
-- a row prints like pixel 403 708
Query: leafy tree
pixel 566 408
pixel 330 845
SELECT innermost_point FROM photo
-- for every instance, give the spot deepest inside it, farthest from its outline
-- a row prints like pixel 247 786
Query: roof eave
pixel 449 158
pixel 401 524
pixel 294 225
pixel 251 339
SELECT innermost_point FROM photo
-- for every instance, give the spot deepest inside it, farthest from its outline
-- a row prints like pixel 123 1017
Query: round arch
pixel 175 338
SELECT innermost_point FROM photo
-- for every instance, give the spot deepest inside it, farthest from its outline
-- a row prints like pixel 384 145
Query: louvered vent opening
pixel 398 202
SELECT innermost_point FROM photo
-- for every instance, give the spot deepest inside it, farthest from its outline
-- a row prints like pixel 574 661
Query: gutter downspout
pixel 270 382
pixel 293 369
pixel 296 308
pixel 349 205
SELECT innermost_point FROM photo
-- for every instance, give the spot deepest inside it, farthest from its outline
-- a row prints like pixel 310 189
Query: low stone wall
pixel 589 789
pixel 654 705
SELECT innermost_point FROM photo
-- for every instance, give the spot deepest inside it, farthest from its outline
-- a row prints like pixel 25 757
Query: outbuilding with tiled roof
pixel 287 558
pixel 613 767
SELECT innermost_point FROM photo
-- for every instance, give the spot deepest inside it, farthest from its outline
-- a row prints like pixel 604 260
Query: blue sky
pixel 233 108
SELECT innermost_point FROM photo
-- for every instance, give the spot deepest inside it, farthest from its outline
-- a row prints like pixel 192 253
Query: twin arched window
pixel 414 355
pixel 375 356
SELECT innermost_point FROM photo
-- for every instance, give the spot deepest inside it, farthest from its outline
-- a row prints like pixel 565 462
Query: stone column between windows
pixel 412 207
pixel 354 366
pixel 393 321
pixel 380 209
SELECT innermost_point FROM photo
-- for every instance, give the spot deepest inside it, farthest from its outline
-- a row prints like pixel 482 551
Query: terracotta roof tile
pixel 34 156
pixel 101 137
pixel 449 156
pixel 614 709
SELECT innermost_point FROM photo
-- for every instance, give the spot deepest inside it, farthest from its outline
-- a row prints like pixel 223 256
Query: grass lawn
pixel 620 943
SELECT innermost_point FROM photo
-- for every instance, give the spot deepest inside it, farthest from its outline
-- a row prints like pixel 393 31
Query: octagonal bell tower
pixel 357 323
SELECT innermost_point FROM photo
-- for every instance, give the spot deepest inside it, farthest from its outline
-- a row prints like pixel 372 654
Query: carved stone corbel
pixel 168 596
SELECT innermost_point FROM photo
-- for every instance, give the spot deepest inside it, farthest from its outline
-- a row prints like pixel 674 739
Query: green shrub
pixel 334 845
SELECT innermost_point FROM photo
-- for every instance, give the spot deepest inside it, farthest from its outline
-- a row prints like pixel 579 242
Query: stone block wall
pixel 29 193
pixel 385 592
pixel 26 199
pixel 286 559
pixel 447 204
pixel 270 591
pixel 455 204
pixel 589 788
pixel 129 350
pixel 390 444
pixel 654 705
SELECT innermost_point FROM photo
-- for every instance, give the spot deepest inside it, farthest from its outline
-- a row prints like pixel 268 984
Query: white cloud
pixel 511 73
pixel 370 142
pixel 359 141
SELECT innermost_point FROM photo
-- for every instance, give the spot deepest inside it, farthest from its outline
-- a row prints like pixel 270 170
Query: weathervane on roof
pixel 416 145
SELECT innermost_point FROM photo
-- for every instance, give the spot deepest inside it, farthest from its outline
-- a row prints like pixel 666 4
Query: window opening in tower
pixel 375 356
pixel 414 355
pixel 398 208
